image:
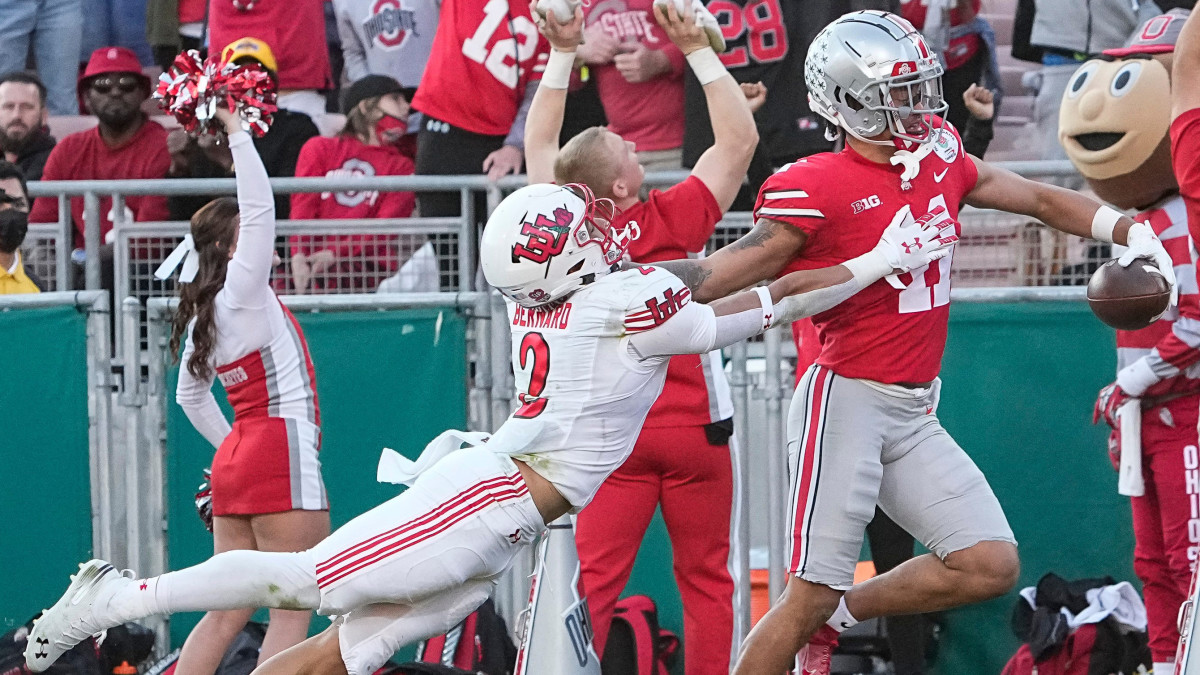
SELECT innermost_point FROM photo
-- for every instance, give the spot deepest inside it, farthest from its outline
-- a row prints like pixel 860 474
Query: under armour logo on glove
pixel 908 248
pixel 41 653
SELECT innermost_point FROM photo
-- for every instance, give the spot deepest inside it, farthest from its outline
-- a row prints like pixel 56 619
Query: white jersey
pixel 583 395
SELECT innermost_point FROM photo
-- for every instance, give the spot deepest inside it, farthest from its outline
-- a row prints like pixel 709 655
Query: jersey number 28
pixel 535 355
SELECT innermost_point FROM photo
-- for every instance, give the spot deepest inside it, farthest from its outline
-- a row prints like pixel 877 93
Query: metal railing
pixel 467 186
pixel 393 254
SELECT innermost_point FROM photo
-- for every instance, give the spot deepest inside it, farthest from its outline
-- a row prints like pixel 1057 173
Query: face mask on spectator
pixel 13 226
pixel 390 129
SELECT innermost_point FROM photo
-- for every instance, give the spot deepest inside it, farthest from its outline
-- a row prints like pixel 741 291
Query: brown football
pixel 1128 298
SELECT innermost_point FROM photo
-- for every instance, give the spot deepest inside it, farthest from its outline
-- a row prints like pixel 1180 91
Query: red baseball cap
pixel 1156 36
pixel 113 60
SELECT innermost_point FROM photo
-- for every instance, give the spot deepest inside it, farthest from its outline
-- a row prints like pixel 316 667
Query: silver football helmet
pixel 543 242
pixel 870 72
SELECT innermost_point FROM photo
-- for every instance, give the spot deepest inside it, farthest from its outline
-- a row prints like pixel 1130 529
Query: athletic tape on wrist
pixel 868 268
pixel 706 65
pixel 558 69
pixel 768 305
pixel 1104 222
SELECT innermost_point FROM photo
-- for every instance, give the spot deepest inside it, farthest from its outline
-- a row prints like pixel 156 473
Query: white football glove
pixel 909 244
pixel 1143 243
pixel 564 10
pixel 704 19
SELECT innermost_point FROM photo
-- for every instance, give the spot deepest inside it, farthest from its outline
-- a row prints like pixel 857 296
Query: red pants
pixel 1166 520
pixel 693 482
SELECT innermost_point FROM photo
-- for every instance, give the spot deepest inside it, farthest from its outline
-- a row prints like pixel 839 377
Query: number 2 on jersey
pixel 534 355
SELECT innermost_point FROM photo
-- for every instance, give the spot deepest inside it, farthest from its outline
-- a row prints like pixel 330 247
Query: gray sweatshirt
pixel 386 37
pixel 1088 26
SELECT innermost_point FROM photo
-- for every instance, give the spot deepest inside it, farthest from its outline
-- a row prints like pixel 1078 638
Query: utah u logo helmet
pixel 547 237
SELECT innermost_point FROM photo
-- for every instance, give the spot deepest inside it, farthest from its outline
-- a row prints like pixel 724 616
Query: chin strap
pixel 911 160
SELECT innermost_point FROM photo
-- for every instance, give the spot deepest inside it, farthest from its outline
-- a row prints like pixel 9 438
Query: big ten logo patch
pixel 389 23
pixel 356 168
pixel 544 237
pixel 1191 481
pixel 866 203
pixel 630 26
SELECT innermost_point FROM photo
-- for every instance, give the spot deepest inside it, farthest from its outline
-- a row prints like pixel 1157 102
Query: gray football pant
pixel 853 444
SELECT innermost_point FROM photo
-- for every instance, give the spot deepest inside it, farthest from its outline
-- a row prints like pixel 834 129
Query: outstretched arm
pixel 247 279
pixel 906 245
pixel 723 166
pixel 1062 209
pixel 1072 213
pixel 1185 89
pixel 760 254
pixel 544 122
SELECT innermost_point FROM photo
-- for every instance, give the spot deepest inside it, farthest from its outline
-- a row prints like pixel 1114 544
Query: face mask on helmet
pixel 597 229
pixel 543 242
pixel 911 106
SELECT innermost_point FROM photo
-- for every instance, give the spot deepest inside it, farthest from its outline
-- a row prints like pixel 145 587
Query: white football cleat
pixel 564 10
pixel 78 615
pixel 704 19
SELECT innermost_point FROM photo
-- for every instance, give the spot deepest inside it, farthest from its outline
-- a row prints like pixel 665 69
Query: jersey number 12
pixel 520 47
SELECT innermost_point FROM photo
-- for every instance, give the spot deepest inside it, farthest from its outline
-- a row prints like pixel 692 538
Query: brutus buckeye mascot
pixel 1116 126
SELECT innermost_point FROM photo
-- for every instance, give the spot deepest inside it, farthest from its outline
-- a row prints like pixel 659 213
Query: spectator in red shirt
pixel 683 461
pixel 296 29
pixel 376 124
pixel 634 62
pixel 125 144
pixel 484 64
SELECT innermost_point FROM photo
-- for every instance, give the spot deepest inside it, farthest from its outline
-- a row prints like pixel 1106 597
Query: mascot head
pixel 1116 114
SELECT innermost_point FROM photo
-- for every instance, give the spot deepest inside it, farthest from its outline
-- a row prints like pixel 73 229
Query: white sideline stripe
pixel 785 194
pixel 791 212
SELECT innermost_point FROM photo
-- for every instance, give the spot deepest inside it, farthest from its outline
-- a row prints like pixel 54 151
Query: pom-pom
pixel 192 90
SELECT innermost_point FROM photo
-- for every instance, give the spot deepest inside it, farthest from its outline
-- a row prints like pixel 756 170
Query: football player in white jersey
pixel 590 348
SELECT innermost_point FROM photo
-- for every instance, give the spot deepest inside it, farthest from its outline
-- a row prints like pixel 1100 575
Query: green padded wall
pixel 384 379
pixel 45 498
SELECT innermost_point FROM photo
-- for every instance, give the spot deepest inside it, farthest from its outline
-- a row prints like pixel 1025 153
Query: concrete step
pixel 1002 24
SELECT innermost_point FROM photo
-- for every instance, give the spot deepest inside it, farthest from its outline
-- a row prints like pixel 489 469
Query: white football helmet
pixel 871 71
pixel 545 241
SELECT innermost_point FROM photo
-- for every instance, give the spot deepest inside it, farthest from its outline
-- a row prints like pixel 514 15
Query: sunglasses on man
pixel 127 84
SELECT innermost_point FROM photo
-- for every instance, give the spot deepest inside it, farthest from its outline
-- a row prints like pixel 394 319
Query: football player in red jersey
pixel 485 61
pixel 1185 154
pixel 683 461
pixel 863 427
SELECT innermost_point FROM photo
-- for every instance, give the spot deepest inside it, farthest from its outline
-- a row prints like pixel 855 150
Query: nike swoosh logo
pixel 937 177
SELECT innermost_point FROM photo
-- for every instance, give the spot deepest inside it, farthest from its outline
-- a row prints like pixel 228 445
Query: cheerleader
pixel 267 490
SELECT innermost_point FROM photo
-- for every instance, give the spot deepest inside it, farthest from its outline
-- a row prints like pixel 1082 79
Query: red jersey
pixel 277 380
pixel 85 156
pixel 294 30
pixel 485 54
pixel 649 127
pixel 677 223
pixel 342 156
pixel 844 202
